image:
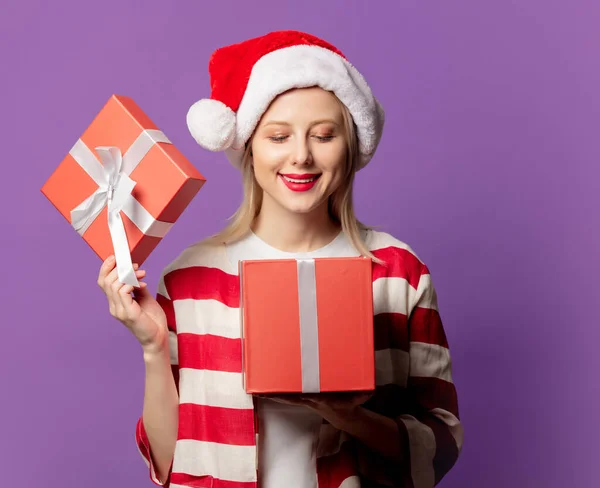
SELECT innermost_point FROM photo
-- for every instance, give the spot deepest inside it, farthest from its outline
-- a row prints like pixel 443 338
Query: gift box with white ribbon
pixel 122 185
pixel 307 325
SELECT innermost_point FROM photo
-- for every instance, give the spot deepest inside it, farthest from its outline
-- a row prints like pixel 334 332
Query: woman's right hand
pixel 140 313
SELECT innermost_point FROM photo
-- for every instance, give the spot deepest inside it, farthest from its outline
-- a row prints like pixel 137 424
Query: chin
pixel 305 208
pixel 300 210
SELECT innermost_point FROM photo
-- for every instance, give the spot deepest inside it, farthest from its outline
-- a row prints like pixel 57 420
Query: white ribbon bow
pixel 115 191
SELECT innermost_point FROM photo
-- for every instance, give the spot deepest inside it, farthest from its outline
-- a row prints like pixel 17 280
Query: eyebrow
pixel 316 122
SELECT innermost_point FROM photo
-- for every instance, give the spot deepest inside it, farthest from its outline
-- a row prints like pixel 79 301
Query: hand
pixel 139 312
pixel 336 408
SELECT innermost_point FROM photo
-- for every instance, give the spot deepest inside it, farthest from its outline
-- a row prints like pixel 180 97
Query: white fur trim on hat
pixel 300 67
pixel 212 124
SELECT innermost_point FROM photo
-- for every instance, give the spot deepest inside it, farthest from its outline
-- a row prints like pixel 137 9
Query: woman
pixel 299 121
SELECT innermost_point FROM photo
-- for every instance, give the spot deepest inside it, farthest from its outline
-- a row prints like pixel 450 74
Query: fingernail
pixel 136 266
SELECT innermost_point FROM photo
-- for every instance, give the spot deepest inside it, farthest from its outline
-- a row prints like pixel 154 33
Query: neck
pixel 294 232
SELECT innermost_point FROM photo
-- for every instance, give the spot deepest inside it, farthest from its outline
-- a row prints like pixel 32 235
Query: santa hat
pixel 246 77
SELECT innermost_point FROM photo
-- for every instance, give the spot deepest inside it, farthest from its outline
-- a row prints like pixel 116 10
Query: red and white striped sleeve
pixel 414 372
pixel 143 445
pixel 434 432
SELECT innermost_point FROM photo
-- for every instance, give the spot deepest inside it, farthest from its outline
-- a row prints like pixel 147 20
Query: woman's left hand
pixel 345 412
pixel 336 408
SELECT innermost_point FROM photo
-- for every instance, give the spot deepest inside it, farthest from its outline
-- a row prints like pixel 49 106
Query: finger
pixel 319 399
pixel 115 284
pixel 289 400
pixel 125 300
pixel 107 266
pixel 106 286
pixel 112 279
pixel 313 401
pixel 117 297
pixel 109 280
pixel 118 291
pixel 124 293
pixel 111 287
pixel 126 290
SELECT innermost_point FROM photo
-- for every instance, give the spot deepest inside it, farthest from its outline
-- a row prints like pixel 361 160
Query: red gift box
pixel 123 185
pixel 307 325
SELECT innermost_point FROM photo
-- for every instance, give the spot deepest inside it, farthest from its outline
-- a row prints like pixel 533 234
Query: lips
pixel 299 182
pixel 300 178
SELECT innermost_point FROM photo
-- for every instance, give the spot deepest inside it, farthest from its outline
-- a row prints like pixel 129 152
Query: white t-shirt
pixel 288 437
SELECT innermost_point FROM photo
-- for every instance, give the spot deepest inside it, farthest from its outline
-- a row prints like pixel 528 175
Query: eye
pixel 324 138
pixel 278 139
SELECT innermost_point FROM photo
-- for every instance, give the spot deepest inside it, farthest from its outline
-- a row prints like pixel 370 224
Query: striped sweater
pixel 217 443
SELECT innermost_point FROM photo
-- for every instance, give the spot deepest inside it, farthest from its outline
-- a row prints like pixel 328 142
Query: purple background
pixel 488 169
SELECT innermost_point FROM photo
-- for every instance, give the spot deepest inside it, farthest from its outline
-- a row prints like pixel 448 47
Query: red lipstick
pixel 299 182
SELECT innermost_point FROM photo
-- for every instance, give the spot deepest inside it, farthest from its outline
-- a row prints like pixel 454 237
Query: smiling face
pixel 299 150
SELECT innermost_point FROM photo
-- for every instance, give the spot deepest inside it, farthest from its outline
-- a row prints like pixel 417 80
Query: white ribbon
pixel 114 190
pixel 309 326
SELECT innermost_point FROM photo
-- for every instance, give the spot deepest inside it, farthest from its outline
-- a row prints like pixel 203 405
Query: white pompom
pixel 212 124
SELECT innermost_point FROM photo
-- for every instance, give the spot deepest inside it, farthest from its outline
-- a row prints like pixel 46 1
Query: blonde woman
pixel 299 121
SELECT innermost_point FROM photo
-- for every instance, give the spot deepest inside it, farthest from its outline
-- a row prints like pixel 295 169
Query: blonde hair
pixel 341 206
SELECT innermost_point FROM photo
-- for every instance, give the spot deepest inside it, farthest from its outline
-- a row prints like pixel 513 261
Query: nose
pixel 302 153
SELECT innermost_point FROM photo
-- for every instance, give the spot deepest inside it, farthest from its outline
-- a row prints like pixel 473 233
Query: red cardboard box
pixel 124 162
pixel 307 325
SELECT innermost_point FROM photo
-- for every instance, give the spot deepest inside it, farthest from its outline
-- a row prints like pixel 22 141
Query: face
pixel 299 150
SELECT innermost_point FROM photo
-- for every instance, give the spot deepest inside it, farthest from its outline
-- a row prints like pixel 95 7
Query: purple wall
pixel 488 168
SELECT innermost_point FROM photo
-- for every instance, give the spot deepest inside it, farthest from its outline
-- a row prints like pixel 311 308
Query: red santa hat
pixel 246 77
